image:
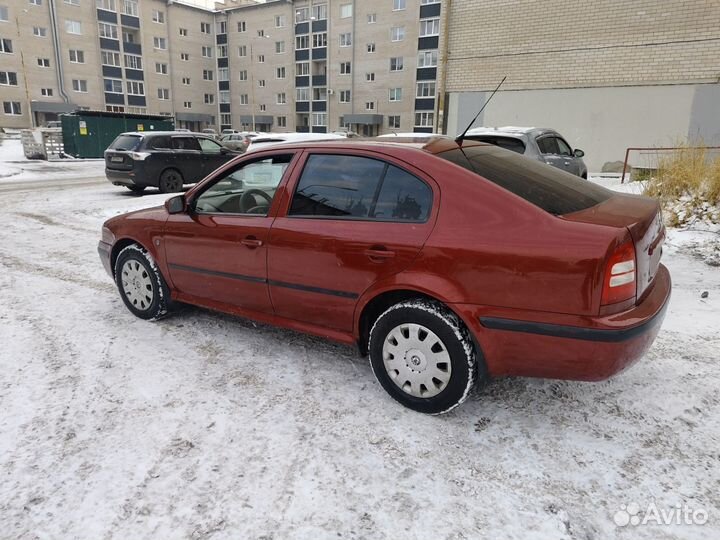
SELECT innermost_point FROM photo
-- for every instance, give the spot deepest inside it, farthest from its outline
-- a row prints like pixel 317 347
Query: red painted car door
pixel 354 218
pixel 217 250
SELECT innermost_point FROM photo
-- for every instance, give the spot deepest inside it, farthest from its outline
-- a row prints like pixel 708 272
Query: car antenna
pixel 459 138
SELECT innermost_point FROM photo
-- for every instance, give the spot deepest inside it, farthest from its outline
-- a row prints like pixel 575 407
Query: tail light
pixel 619 283
pixel 139 156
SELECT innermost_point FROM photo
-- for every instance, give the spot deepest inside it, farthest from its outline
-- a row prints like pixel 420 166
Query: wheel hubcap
pixel 137 285
pixel 416 360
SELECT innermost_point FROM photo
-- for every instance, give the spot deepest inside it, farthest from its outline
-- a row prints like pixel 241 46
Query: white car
pixel 272 139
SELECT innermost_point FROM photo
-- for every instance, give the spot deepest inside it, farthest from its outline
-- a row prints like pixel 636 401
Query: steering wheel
pixel 249 203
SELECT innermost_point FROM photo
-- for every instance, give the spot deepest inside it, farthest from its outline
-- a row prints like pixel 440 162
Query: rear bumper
pixel 568 347
pixel 120 178
pixel 104 250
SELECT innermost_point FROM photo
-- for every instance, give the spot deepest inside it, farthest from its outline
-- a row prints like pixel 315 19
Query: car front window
pixel 209 147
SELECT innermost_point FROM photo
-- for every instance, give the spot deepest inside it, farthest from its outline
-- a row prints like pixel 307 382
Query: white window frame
pixel 423 57
pixel 395 95
pixel 113 86
pixel 135 88
pixel 346 39
pixel 427 119
pixel 429 27
pixel 73 27
pixel 397 33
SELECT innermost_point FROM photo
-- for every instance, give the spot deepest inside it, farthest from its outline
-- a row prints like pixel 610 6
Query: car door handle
pixel 251 242
pixel 379 255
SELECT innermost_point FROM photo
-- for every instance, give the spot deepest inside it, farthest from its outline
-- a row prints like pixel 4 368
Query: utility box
pixel 86 134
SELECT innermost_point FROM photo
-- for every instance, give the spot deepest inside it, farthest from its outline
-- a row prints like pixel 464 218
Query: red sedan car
pixel 447 262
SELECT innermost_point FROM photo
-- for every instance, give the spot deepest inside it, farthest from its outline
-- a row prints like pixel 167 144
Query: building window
pixel 319 12
pixel 73 27
pixel 113 86
pixel 108 31
pixel 114 108
pixel 130 7
pixel 8 78
pixel 12 108
pixel 183 32
pixel 207 75
pixel 302 94
pixel 346 11
pixel 242 50
pixel 226 119
pixel 427 2
pixel 302 14
pixel 396 94
pixel 302 69
pixel 319 119
pixel 320 39
pixel 372 18
pixel 186 81
pixel 159 17
pixel 73 2
pixel 261 58
pixel 133 62
pixel 3 14
pixel 184 56
pixel 262 107
pixel 107 5
pixel 319 94
pixel 36 2
pixel 222 51
pixel 302 42
pixel 369 105
pixel 344 96
pixel 345 68
pixel 396 63
pixel 281 98
pixel 241 26
pixel 369 77
pixel 261 83
pixel 425 89
pixel 135 88
pixel 244 99
pixel 76 56
pixel 424 119
pixel 160 43
pixel 163 93
pixel 209 99
pixel 221 27
pixel 394 121
pixel 279 47
pixel 427 59
pixel 205 28
pixel 242 75
pixel 79 85
pixel 6 46
pixel 280 72
pixel 371 47
pixel 161 68
pixel 43 62
pixel 280 21
pixel 346 39
pixel 109 58
pixel 223 74
pixel 429 27
pixel 397 33
pixel 281 121
pixel 187 104
pixel 39 31
pixel 207 51
pixel 46 92
pixel 398 5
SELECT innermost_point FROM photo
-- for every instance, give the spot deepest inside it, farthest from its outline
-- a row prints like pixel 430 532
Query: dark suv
pixel 163 159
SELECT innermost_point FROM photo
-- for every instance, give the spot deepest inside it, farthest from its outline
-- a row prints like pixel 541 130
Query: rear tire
pixel 423 356
pixel 140 283
pixel 171 181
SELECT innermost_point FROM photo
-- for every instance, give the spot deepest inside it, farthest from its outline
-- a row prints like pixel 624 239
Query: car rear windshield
pixel 126 142
pixel 509 143
pixel 547 187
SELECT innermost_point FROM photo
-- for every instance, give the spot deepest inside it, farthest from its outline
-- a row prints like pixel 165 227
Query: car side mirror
pixel 578 153
pixel 175 205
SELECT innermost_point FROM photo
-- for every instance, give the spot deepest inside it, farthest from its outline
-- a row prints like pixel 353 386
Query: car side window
pixel 563 147
pixel 249 189
pixel 209 147
pixel 185 143
pixel 547 145
pixel 159 143
pixel 354 187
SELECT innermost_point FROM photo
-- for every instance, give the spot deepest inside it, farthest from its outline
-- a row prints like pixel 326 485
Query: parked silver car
pixel 543 144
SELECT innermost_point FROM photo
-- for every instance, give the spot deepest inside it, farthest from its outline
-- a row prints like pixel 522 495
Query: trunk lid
pixel 117 156
pixel 641 216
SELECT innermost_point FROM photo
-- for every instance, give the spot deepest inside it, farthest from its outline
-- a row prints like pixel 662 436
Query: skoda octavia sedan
pixel 446 262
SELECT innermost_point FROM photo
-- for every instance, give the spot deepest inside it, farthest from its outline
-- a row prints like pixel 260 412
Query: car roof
pixel 509 131
pixel 179 133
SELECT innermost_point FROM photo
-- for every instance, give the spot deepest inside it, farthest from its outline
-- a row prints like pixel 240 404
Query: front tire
pixel 171 181
pixel 141 285
pixel 423 356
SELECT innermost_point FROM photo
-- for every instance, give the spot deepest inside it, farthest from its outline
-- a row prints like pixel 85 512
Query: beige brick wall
pixel 570 44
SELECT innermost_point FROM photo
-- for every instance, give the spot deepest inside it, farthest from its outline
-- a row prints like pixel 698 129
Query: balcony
pixel 302 81
pixel 132 48
pixel 130 21
pixel 302 106
pixel 319 80
pixel 319 106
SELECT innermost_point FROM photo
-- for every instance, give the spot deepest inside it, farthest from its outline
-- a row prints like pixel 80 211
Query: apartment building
pixel 281 65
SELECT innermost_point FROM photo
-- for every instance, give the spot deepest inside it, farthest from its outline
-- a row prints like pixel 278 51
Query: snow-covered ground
pixel 15 168
pixel 209 426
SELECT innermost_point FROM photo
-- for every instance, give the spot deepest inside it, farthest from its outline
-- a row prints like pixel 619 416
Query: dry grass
pixel 688 172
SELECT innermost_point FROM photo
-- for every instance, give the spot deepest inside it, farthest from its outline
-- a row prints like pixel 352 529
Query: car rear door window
pixel 185 143
pixel 355 187
pixel 161 142
pixel 549 188
pixel 209 147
